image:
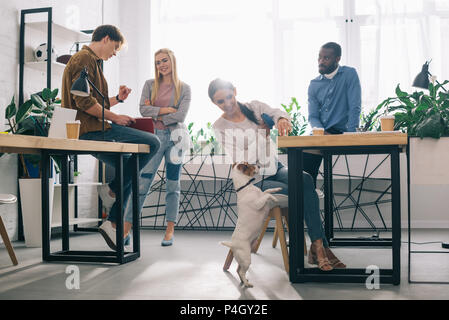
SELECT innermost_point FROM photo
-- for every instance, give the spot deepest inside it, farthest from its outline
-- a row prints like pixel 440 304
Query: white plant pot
pixel 31 201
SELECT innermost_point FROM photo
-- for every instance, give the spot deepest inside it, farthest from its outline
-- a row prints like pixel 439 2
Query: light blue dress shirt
pixel 336 103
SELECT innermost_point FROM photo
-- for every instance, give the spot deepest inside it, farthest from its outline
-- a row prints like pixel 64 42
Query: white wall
pixel 136 60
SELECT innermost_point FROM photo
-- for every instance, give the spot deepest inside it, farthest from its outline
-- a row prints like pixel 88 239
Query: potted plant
pixel 424 116
pixel 32 118
pixel 76 175
pixel 420 114
pixel 299 122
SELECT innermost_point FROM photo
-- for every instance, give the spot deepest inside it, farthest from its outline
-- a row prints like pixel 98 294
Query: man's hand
pixel 123 92
pixel 123 120
pixel 284 127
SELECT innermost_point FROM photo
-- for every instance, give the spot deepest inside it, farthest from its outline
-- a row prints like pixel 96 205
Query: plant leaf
pixel 54 93
pixel 10 109
pixel 37 101
pixel 399 93
pixel 24 111
pixel 46 94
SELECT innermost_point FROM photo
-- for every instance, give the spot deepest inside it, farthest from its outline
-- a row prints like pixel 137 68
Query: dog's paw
pixel 245 283
pixel 273 190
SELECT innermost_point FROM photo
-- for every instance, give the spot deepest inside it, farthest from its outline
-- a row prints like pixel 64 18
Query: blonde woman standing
pixel 166 99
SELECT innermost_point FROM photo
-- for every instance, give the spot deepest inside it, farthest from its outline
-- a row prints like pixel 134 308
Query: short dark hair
pixel 108 30
pixel 334 46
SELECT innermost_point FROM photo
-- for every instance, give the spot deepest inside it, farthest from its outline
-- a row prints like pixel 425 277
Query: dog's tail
pixel 226 243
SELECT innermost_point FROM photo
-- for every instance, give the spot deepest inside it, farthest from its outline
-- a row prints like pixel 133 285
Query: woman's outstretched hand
pixel 284 127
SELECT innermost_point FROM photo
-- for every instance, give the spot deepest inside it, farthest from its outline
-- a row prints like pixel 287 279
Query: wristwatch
pixel 118 99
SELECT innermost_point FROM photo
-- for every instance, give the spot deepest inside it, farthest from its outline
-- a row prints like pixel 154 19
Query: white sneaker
pixel 319 193
pixel 108 233
pixel 108 201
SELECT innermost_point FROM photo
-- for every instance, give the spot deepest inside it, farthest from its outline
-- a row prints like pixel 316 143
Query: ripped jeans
pixel 173 163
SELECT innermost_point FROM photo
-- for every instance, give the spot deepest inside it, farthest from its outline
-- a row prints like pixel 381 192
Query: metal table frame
pixel 82 255
pixel 298 273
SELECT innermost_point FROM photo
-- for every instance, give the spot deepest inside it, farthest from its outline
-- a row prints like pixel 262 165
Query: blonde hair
pixel 158 77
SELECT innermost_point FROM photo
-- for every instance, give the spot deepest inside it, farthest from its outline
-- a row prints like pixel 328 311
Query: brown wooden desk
pixel 356 143
pixel 48 147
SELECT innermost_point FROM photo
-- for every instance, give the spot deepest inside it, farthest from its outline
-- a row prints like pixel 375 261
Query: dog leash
pixel 247 184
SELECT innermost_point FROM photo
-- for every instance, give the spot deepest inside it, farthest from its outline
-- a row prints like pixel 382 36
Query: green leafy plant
pixel 420 114
pixel 370 121
pixel 45 105
pixel 203 140
pixel 16 116
pixel 32 118
pixel 299 122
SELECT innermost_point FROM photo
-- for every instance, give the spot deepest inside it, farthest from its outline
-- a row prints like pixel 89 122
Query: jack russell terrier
pixel 253 206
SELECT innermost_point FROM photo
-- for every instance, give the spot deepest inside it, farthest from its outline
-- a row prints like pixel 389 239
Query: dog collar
pixel 247 184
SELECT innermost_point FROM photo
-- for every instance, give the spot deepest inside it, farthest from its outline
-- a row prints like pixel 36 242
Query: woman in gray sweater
pixel 166 99
pixel 248 119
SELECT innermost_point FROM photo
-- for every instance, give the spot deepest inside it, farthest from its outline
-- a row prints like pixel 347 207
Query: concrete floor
pixel 192 269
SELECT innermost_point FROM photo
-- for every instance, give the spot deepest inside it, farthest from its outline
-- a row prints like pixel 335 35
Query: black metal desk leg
pixel 45 162
pixel 328 197
pixel 396 215
pixel 136 195
pixel 119 201
pixel 296 214
pixel 65 202
pixel 407 153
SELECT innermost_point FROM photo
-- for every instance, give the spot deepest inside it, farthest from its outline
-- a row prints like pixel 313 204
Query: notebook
pixel 58 121
pixel 145 124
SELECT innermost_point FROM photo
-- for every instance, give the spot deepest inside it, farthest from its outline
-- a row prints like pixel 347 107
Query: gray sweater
pixel 173 120
pixel 241 140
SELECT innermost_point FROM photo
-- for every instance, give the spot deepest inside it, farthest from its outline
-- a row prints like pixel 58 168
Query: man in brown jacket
pixel 107 40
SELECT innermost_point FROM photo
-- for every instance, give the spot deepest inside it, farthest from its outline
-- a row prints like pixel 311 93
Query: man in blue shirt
pixel 334 99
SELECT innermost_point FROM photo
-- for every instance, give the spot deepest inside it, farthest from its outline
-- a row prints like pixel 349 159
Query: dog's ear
pixel 242 167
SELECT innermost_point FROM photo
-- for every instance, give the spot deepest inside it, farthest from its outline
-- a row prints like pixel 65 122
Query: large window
pixel 269 48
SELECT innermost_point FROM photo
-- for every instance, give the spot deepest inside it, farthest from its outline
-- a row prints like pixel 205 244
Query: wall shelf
pixel 60 31
pixel 42 66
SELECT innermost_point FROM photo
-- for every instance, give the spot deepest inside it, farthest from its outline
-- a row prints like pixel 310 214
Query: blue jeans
pixel 311 202
pixel 126 135
pixel 173 162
